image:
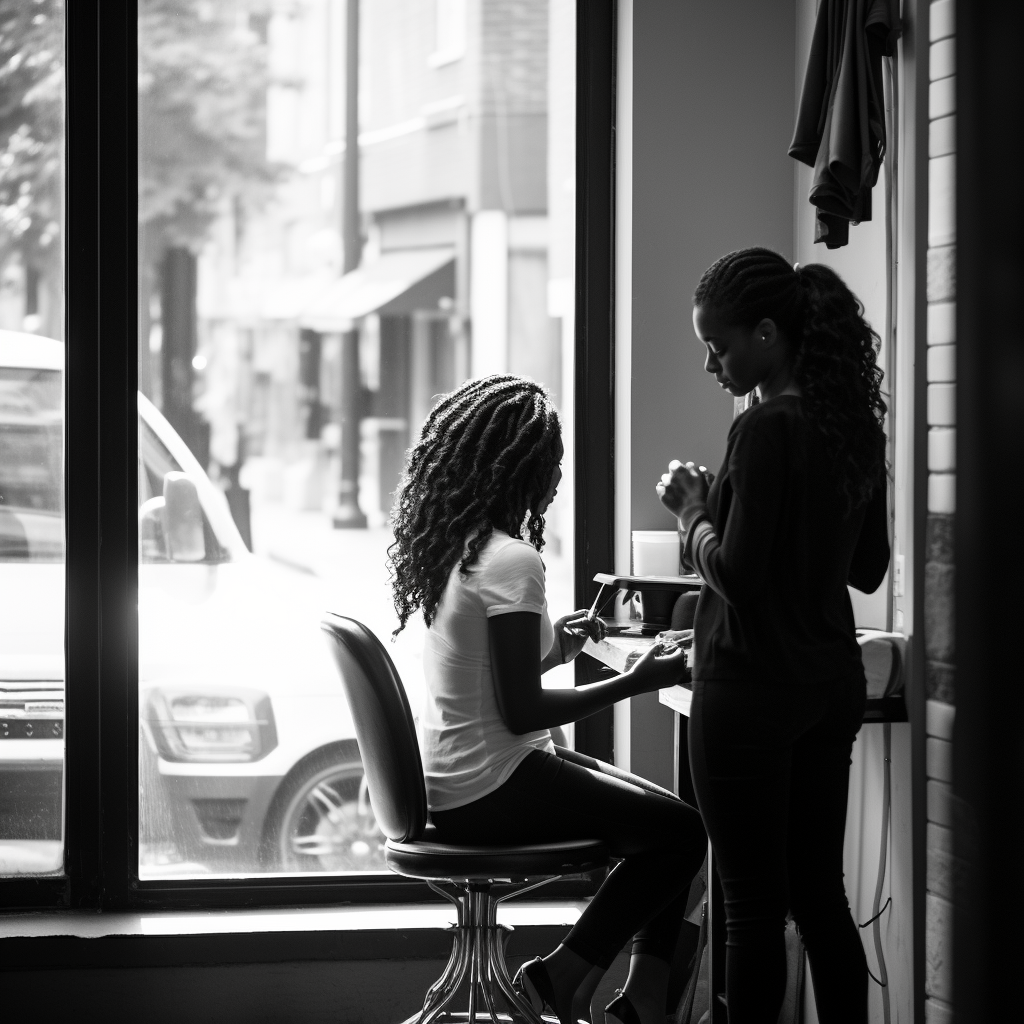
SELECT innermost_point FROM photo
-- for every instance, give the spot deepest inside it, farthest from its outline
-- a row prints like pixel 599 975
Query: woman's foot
pixel 563 983
pixel 534 984
pixel 620 1010
pixel 642 1000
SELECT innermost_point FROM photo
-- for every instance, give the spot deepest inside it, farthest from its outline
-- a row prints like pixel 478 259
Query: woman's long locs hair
pixel 836 350
pixel 484 460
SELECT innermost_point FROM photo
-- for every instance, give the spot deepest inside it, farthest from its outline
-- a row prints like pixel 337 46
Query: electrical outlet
pixel 897 581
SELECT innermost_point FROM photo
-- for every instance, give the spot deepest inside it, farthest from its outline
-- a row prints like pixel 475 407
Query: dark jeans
pixel 660 839
pixel 771 767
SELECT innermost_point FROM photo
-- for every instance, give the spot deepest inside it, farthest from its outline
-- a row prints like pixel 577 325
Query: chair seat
pixel 427 858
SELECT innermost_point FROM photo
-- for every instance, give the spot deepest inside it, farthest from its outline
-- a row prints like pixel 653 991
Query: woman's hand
pixel 526 704
pixel 680 637
pixel 573 630
pixel 662 664
pixel 683 490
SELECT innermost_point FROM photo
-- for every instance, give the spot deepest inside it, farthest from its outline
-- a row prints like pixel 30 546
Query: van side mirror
pixel 183 519
pixel 152 544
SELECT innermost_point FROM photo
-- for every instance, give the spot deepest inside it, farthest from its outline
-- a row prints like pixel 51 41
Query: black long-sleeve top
pixel 776 550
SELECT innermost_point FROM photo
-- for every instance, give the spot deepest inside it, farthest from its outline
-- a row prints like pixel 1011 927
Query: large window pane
pixel 31 436
pixel 297 321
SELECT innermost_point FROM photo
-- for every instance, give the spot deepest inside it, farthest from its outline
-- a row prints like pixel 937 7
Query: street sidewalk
pixel 309 542
pixel 352 565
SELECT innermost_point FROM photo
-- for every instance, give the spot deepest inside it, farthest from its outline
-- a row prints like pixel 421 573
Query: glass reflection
pixel 31 437
pixel 299 312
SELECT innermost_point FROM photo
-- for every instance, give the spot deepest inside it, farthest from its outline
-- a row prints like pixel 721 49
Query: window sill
pixel 399 917
pixel 384 932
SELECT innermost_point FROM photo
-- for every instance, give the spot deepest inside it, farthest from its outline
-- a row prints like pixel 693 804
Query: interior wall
pixel 710 116
pixel 714 90
pixel 713 110
pixel 861 264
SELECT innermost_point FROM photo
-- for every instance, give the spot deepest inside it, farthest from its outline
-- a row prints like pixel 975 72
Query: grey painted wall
pixel 713 116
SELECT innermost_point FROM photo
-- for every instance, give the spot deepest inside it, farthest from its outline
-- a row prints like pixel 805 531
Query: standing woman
pixel 469 528
pixel 797 512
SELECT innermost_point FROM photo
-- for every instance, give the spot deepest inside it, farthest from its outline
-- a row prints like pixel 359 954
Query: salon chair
pixel 394 774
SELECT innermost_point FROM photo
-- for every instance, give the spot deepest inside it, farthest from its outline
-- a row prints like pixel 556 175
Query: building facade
pixel 464 269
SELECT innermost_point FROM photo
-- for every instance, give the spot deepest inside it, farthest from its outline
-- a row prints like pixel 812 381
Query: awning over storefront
pixel 395 282
pixel 250 300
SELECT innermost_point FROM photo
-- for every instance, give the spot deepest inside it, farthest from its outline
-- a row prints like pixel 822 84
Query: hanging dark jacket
pixel 840 124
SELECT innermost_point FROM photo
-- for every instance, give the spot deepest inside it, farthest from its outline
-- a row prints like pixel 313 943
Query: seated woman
pixel 484 471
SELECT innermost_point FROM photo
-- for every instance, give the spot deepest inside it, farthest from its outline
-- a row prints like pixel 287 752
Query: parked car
pixel 247 752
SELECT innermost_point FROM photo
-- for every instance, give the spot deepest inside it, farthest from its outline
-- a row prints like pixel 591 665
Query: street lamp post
pixel 348 514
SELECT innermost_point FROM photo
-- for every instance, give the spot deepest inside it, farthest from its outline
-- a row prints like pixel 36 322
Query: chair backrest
pixel 384 728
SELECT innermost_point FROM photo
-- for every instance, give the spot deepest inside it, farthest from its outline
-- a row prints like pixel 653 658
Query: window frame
pixel 101 630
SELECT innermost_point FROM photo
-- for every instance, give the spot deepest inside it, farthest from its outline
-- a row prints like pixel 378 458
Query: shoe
pixel 532 981
pixel 620 1010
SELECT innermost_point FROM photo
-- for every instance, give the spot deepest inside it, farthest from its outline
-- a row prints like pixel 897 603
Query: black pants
pixel 771 768
pixel 660 839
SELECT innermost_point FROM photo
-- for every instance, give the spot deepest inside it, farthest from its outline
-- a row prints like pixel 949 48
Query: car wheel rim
pixel 329 825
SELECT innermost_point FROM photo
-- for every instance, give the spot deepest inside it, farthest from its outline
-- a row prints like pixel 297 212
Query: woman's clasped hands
pixel 683 490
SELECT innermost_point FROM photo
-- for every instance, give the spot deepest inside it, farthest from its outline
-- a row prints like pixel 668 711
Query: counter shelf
pixel 883 653
pixel 883 664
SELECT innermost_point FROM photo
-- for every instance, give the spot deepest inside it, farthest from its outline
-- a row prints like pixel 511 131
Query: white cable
pixel 892 255
pixel 891 72
pixel 876 925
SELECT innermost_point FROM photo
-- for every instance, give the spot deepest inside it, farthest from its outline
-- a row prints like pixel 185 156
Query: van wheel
pixel 324 821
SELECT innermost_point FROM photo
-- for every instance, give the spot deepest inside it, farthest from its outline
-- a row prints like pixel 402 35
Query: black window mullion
pixel 82 860
pixel 101 449
pixel 117 249
pixel 595 316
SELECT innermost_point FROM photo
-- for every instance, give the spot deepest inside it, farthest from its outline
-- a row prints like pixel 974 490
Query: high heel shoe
pixel 534 982
pixel 620 1010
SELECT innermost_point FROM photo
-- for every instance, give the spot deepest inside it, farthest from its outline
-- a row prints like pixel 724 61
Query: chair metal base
pixel 478 953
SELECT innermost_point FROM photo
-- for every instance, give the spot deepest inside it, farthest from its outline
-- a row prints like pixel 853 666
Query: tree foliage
pixel 202 121
pixel 32 131
pixel 202 88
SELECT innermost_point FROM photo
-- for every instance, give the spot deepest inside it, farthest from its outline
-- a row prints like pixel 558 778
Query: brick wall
pixel 513 105
pixel 940 645
pixel 513 46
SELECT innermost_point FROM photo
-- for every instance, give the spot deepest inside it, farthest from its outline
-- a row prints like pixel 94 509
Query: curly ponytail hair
pixel 834 348
pixel 485 459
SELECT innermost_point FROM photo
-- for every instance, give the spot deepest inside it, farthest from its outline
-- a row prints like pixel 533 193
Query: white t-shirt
pixel 468 750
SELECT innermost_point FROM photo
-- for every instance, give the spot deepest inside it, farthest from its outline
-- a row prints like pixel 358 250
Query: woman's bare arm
pixel 525 705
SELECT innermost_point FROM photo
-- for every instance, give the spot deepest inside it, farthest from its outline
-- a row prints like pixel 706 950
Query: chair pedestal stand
pixel 478 952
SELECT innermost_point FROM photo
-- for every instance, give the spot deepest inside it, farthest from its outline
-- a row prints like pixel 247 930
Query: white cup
pixel 655 553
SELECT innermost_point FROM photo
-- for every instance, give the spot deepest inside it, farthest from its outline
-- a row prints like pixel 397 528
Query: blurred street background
pixel 347 208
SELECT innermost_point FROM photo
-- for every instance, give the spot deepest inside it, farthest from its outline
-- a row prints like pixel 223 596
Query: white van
pixel 248 759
